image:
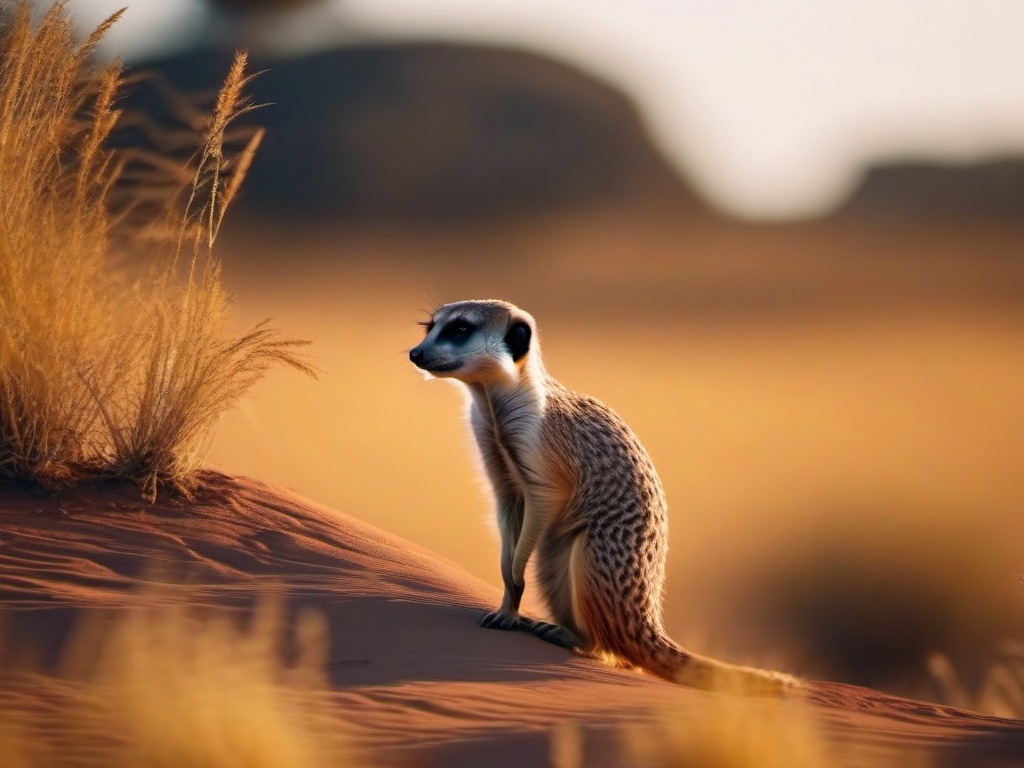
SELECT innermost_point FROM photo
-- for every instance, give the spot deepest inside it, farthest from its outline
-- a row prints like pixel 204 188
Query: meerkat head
pixel 476 342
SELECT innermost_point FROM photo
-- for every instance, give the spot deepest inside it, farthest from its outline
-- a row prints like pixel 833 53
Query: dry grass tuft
pixel 1000 691
pixel 173 688
pixel 112 371
pixel 54 289
pixel 732 734
pixel 728 729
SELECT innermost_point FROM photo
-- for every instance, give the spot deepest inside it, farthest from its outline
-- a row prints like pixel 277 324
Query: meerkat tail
pixel 662 657
pixel 628 631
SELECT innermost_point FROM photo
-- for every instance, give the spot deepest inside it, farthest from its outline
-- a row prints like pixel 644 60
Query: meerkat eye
pixel 456 332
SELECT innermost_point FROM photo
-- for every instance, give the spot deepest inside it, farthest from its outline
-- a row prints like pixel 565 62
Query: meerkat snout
pixel 437 359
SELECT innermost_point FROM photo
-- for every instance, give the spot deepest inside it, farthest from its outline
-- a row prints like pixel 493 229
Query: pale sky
pixel 771 107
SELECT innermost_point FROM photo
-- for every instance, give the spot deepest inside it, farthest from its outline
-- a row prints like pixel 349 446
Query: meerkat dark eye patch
pixel 456 331
pixel 518 340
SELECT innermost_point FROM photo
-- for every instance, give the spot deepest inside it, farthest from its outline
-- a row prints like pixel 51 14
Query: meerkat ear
pixel 518 340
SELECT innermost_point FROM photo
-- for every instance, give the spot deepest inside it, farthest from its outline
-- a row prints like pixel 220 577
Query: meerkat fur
pixel 574 487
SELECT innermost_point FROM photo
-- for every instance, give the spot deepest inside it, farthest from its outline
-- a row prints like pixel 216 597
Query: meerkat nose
pixel 416 355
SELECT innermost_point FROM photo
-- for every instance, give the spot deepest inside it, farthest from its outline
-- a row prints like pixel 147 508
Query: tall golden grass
pixel 1000 691
pixel 733 733
pixel 111 370
pixel 169 687
pixel 729 731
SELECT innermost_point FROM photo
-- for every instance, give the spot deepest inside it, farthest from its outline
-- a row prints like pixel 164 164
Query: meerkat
pixel 574 485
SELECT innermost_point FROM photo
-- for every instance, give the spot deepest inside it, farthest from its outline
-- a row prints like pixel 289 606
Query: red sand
pixel 415 675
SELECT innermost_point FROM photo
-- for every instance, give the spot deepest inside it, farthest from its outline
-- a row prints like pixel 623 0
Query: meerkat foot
pixel 549 633
pixel 503 620
pixel 554 634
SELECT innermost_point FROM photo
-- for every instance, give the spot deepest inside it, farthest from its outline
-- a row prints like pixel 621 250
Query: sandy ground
pixel 415 678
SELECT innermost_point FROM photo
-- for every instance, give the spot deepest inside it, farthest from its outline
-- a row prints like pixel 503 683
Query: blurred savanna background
pixel 785 243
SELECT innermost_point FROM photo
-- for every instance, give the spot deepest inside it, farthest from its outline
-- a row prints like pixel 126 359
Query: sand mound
pixel 414 673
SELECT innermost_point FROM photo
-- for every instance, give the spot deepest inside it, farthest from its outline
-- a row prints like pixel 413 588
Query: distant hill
pixel 900 190
pixel 448 131
pixel 432 131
